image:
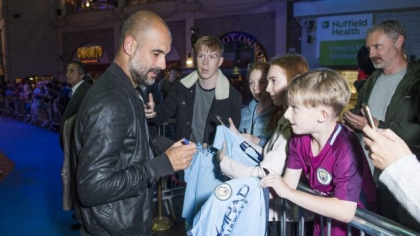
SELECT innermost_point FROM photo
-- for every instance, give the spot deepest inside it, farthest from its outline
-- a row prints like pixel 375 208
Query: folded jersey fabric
pixel 236 207
pixel 204 174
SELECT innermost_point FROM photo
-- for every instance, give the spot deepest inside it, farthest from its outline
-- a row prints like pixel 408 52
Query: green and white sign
pixel 340 52
pixel 342 28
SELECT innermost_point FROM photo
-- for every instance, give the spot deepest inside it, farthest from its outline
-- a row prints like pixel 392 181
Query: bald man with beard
pixel 117 161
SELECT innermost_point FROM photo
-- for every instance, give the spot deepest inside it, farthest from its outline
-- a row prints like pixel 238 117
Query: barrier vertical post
pixel 160 223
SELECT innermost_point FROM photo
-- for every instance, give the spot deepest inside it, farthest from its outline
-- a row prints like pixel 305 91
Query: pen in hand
pixel 185 141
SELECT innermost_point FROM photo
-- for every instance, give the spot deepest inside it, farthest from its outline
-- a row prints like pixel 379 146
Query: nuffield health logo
pixel 325 24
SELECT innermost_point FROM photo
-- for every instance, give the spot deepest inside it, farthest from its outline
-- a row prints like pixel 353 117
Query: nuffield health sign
pixel 343 27
pixel 334 32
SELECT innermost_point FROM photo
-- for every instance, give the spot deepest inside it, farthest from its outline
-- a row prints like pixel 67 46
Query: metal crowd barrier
pixel 15 109
pixel 54 115
pixel 166 189
pixel 6 108
pixel 365 221
pixel 3 105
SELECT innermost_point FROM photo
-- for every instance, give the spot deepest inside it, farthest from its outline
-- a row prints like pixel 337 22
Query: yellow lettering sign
pixel 89 52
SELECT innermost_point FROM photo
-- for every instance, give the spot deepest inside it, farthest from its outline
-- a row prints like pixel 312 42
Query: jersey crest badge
pixel 223 191
pixel 323 176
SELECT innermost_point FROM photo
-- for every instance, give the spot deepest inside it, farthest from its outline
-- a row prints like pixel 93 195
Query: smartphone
pixel 368 116
pixel 355 111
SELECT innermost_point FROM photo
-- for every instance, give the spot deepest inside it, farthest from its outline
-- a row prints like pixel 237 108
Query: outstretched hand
pixel 149 108
pixel 180 155
pixel 222 153
pixel 251 138
pixel 248 137
pixel 357 122
pixel 276 182
pixel 385 147
pixel 232 126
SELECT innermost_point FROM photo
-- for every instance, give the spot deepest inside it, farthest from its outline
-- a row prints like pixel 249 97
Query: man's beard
pixel 377 62
pixel 140 76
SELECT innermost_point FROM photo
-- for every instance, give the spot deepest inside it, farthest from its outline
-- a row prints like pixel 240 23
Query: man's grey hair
pixel 393 29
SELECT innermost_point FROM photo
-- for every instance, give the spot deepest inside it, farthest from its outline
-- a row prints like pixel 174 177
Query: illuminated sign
pixel 340 52
pixel 87 61
pixel 247 40
pixel 89 52
pixel 342 28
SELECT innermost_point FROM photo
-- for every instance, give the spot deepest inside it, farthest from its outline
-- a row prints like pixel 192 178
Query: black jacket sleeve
pixel 167 109
pixel 106 141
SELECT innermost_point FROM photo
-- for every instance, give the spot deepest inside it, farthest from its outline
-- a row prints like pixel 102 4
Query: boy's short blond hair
pixel 209 43
pixel 320 87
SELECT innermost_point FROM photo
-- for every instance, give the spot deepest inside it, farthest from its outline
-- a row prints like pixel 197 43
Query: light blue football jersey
pixel 237 207
pixel 201 178
pixel 204 174
pixel 236 147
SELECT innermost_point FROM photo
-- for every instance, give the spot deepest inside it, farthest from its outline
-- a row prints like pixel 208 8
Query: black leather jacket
pixel 116 169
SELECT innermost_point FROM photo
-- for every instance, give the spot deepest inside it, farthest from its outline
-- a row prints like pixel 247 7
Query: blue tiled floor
pixel 30 196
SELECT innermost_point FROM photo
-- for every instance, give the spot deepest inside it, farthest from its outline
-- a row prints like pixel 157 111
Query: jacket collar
pixel 222 84
pixel 74 88
pixel 403 89
pixel 115 69
pixel 413 69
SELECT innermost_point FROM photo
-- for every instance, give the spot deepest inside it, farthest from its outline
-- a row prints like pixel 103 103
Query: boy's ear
pixel 325 113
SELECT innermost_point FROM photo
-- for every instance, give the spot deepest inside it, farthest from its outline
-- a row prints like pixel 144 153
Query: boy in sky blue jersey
pixel 328 154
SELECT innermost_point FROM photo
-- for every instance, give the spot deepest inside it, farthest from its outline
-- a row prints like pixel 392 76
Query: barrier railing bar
pixel 301 222
pixel 371 223
pixel 283 217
